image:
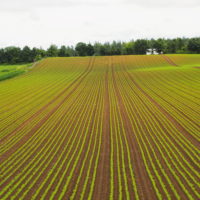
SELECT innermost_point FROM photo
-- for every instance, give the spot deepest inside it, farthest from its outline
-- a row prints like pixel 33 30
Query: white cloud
pixel 27 5
pixel 42 22
pixel 164 3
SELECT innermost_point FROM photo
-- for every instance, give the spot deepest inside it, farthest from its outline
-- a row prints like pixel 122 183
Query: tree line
pixel 14 55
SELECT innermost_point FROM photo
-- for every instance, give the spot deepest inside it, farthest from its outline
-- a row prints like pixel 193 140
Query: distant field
pixel 114 127
pixel 10 71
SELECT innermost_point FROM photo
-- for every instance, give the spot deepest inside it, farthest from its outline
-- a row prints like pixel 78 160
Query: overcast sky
pixel 44 22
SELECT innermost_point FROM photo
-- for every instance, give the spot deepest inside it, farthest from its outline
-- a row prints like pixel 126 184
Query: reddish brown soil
pixel 102 183
pixel 32 155
pixel 167 115
pixel 79 79
pixel 179 127
pixel 77 169
pixel 55 158
pixel 24 105
pixel 142 179
pixel 126 133
pixel 90 137
pixel 26 137
pixel 171 105
pixel 169 60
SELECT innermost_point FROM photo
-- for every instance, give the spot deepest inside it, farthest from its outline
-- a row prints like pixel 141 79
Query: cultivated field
pixel 120 127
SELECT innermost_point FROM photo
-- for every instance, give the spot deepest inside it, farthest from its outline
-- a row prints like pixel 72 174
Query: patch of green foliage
pixel 16 55
pixel 10 71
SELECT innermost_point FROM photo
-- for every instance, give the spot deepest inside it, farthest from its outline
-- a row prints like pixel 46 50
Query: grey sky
pixel 44 22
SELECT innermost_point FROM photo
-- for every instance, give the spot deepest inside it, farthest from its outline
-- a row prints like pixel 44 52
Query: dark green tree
pixel 90 50
pixel 71 51
pixel 181 45
pixel 116 48
pixel 194 45
pixel 107 48
pixel 171 46
pixel 26 55
pixel 128 48
pixel 12 55
pixel 97 47
pixel 2 57
pixel 103 50
pixel 52 51
pixel 141 46
pixel 63 52
pixel 159 45
pixel 81 48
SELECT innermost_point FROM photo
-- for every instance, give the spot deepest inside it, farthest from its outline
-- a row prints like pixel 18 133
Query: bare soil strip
pixel 91 153
pixel 101 189
pixel 148 161
pixel 142 179
pixel 173 106
pixel 168 116
pixel 46 140
pixel 169 60
pixel 26 137
pixel 84 74
pixel 76 171
pixel 176 184
pixel 56 157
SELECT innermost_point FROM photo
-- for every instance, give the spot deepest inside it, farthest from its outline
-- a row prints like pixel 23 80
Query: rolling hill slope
pixel 118 127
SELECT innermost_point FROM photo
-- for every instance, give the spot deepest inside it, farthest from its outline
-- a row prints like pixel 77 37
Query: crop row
pixel 119 127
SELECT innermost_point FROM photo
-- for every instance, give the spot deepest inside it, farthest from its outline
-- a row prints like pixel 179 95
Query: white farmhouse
pixel 152 51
